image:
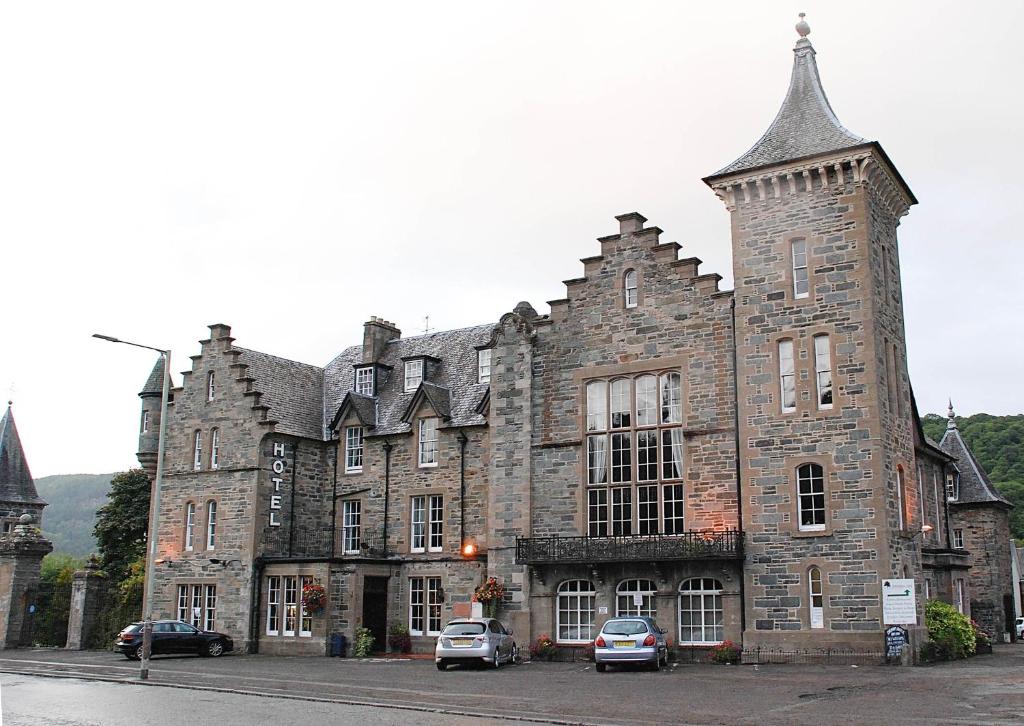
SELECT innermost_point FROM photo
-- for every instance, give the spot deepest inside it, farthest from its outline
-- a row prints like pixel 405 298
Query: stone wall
pixel 986 531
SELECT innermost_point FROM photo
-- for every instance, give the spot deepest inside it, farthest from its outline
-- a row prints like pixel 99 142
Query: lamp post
pixel 154 508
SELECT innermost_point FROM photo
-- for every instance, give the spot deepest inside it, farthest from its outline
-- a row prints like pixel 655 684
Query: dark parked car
pixel 173 636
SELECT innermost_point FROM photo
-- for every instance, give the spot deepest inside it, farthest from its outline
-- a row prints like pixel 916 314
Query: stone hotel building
pixel 743 464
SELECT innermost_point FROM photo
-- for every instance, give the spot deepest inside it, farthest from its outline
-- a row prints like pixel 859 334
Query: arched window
pixel 575 621
pixel 190 526
pixel 197 451
pixel 629 289
pixel 211 386
pixel 214 448
pixel 700 612
pixel 211 524
pixel 815 598
pixel 635 597
pixel 810 487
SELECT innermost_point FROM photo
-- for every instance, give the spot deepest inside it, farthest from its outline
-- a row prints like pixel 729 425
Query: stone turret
pixel 149 424
pixel 17 489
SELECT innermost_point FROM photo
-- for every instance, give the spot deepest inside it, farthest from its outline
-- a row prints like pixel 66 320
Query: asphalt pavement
pixel 982 690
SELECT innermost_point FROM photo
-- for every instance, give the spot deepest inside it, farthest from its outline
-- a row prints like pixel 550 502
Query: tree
pixel 121 523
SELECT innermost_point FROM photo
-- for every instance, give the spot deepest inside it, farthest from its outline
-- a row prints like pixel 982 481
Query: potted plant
pixel 399 639
pixel 543 648
pixel 314 598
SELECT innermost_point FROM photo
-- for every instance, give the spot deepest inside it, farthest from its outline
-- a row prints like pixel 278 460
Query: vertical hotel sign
pixel 277 467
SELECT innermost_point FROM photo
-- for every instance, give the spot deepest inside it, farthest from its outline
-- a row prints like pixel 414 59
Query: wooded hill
pixel 996 442
pixel 71 511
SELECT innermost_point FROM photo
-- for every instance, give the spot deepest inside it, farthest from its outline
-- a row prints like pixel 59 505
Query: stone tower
pixel 17 489
pixel 149 425
pixel 824 416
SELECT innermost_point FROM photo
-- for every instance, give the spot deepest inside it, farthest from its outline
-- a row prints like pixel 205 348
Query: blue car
pixel 634 639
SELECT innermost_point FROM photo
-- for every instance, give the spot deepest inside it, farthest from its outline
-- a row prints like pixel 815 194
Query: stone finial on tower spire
pixel 802 27
pixel 951 417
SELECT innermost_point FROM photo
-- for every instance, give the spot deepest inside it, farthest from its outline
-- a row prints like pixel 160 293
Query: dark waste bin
pixel 338 644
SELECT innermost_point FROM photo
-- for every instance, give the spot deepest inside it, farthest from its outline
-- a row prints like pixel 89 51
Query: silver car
pixel 630 640
pixel 475 640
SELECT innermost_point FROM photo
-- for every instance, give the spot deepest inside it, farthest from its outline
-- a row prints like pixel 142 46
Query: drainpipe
pixel 291 505
pixel 739 468
pixel 254 615
pixel 463 440
pixel 387 490
pixel 334 502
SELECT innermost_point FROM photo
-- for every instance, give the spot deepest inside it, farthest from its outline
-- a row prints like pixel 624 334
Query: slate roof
pixel 155 383
pixel 292 390
pixel 16 484
pixel 975 486
pixel 456 372
pixel 805 126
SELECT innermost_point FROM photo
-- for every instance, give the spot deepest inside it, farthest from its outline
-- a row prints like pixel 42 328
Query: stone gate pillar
pixel 86 592
pixel 21 553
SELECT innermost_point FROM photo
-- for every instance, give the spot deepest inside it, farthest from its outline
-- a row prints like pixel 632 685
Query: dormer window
pixel 211 386
pixel 483 366
pixel 413 374
pixel 952 487
pixel 364 381
pixel 629 289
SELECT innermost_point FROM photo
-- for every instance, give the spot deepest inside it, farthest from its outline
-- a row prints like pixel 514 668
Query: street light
pixel 151 536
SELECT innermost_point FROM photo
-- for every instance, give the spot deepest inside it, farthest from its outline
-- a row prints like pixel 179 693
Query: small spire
pixel 802 27
pixel 951 423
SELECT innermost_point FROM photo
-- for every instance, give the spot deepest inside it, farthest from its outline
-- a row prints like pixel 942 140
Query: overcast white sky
pixel 292 168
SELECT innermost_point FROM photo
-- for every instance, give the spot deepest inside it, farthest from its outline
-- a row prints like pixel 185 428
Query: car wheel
pixel 497 658
pixel 215 648
pixel 514 657
pixel 137 653
pixel 601 667
pixel 657 662
pixel 442 666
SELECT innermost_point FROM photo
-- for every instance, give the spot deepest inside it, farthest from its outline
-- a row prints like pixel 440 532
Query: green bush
pixel 399 639
pixel 950 631
pixel 364 643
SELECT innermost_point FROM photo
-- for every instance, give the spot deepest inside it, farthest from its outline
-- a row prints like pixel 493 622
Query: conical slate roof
pixel 975 486
pixel 155 383
pixel 16 485
pixel 805 126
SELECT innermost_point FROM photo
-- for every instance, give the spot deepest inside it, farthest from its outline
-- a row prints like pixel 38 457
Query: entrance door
pixel 375 610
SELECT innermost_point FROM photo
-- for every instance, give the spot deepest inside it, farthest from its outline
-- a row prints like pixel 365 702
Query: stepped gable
pixel 805 125
pixel 457 373
pixel 16 484
pixel 291 391
pixel 975 486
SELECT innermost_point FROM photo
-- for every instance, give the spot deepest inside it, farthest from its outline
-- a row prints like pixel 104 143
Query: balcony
pixel 316 543
pixel 704 545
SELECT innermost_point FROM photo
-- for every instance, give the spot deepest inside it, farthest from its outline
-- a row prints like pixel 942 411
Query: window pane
pixel 483 363
pixel 436 522
pixel 621 404
pixel 671 398
pixel 413 375
pixel 672 501
pixel 672 454
pixel 597 406
pixel 647 509
pixel 811 496
pixel 622 511
pixel 418 519
pixel 646 401
pixel 597 512
pixel 787 376
pixel 823 370
pixel 622 468
pixel 597 459
pixel 647 455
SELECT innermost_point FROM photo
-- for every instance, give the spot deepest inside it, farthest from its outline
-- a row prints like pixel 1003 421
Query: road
pixel 984 690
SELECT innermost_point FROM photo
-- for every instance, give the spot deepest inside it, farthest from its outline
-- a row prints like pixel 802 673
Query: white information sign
pixel 899 603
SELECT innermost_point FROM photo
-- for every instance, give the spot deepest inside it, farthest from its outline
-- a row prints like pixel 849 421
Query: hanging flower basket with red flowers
pixel 490 594
pixel 314 598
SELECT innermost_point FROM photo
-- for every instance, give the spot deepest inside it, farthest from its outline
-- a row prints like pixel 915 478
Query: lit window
pixel 145 422
pixel 428 442
pixel 700 612
pixel 190 526
pixel 413 374
pixel 483 366
pixel 575 612
pixel 810 479
pixel 958 539
pixel 815 598
pixel 211 524
pixel 801 284
pixel 197 451
pixel 211 386
pixel 787 376
pixel 351 514
pixel 630 289
pixel 273 604
pixel 353 449
pixel 823 371
pixel 364 381
pixel 214 448
pixel 635 598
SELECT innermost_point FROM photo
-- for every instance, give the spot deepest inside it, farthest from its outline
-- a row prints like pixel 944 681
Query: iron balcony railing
pixel 317 542
pixel 700 545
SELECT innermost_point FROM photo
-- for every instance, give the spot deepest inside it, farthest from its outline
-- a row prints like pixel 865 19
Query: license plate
pixel 462 642
pixel 625 643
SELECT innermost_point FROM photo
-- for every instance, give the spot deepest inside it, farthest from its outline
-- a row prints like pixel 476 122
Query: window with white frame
pixel 787 376
pixel 418 519
pixel 197 451
pixel 483 366
pixel 700 612
pixel 145 422
pixel 634 444
pixel 575 611
pixel 952 486
pixel 291 604
pixel 215 449
pixel 425 600
pixel 417 609
pixel 197 605
pixel 629 289
pixel 273 604
pixel 815 598
pixel 210 607
pixel 801 283
pixel 305 619
pixel 435 522
pixel 190 526
pixel 960 595
pixel 823 371
pixel 958 539
pixel 364 381
pixel 434 595
pixel 183 601
pixel 211 386
pixel 810 487
pixel 351 525
pixel 413 374
pixel 353 449
pixel 211 524
pixel 427 518
pixel 635 598
pixel 428 442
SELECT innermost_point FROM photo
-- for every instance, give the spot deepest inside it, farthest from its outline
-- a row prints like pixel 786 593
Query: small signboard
pixel 895 639
pixel 602 610
pixel 899 604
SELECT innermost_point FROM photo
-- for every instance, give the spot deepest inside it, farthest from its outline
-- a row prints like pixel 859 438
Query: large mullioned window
pixel 635 597
pixel 575 611
pixel 700 612
pixel 635 455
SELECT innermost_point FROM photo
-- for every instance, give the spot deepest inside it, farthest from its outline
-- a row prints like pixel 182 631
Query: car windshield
pixel 625 627
pixel 464 629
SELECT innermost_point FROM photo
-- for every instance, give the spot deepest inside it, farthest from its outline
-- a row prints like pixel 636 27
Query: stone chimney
pixel 376 334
